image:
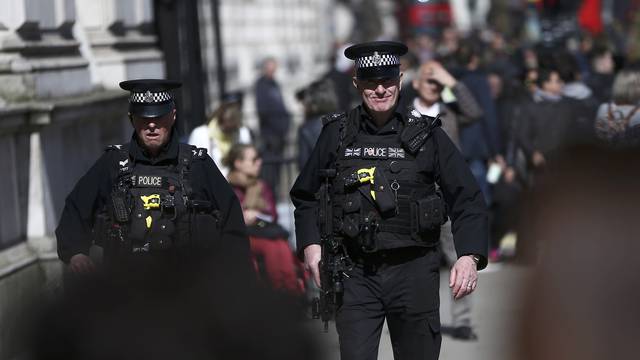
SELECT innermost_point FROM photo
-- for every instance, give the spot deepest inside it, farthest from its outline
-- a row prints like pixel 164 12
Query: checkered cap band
pixel 377 60
pixel 149 97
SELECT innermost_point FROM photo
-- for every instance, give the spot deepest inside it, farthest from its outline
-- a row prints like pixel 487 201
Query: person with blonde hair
pixel 222 131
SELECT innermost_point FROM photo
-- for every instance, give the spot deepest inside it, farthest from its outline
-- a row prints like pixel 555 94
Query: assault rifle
pixel 334 261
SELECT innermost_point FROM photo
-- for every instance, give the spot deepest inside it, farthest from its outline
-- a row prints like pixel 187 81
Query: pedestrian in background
pixel 318 99
pixel 272 258
pixel 431 80
pixel 274 120
pixel 480 140
pixel 618 122
pixel 223 130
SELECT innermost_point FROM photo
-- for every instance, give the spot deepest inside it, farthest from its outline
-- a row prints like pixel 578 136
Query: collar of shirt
pixel 392 125
pixel 169 151
pixel 432 110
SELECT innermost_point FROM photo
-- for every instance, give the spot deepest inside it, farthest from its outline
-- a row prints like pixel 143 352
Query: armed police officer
pixel 152 196
pixel 368 215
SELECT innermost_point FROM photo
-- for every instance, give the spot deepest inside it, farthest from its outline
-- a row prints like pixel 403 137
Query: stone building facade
pixel 60 64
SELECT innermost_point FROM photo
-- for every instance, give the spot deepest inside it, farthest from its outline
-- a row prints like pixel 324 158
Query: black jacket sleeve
pixel 467 208
pixel 73 233
pixel 216 189
pixel 307 185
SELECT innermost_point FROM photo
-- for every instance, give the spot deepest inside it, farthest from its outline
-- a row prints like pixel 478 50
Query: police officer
pixel 387 213
pixel 150 197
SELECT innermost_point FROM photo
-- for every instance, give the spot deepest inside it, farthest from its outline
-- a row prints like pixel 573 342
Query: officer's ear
pixel 130 118
pixel 354 81
pixel 400 81
pixel 173 116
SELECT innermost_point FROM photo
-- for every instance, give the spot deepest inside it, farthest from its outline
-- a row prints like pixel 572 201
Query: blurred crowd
pixel 511 106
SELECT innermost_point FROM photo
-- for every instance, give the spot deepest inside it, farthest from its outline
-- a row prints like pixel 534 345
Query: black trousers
pixel 401 287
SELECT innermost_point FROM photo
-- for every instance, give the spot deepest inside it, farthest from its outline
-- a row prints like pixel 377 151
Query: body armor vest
pixel 381 199
pixel 151 207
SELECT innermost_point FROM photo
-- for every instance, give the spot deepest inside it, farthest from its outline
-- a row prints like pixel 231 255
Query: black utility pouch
pixel 431 213
pixel 385 199
pixel 351 211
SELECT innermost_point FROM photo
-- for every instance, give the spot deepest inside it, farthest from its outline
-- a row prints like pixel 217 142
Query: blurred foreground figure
pixel 151 198
pixel 583 300
pixel 195 311
pixel 368 215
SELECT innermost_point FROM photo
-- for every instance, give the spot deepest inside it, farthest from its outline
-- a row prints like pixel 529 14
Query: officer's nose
pixel 380 89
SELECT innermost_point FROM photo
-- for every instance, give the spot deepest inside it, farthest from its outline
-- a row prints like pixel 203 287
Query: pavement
pixel 497 305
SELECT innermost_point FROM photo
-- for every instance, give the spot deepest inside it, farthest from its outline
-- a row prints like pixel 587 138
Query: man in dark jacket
pixel 274 121
pixel 550 121
pixel 480 140
pixel 152 197
pixel 386 163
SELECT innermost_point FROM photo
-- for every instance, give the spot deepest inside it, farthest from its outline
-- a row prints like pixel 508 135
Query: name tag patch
pixel 374 152
pixel 148 181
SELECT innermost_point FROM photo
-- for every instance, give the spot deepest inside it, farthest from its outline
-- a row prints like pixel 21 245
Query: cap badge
pixel 377 59
pixel 148 97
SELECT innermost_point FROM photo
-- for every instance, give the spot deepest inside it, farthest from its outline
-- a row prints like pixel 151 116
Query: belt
pixel 389 256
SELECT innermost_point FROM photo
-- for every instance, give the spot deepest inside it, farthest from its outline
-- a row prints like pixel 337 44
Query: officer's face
pixel 379 95
pixel 154 132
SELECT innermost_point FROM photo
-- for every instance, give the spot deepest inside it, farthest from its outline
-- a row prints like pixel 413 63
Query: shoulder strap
pixel 124 165
pixel 329 118
pixel 186 155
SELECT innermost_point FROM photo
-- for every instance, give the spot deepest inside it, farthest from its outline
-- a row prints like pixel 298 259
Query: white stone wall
pixel 298 33
pixel 60 63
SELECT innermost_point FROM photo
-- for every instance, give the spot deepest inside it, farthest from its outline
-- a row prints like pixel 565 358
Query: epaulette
pixel 199 153
pixel 114 147
pixel 329 118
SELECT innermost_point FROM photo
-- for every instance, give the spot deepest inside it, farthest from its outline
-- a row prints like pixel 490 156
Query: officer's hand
pixel 312 255
pixel 81 264
pixel 464 277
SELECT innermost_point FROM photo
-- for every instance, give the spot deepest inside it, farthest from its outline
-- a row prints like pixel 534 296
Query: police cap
pixel 150 97
pixel 376 59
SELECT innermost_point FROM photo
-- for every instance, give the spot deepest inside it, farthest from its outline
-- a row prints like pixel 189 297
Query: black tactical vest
pixel 151 208
pixel 380 198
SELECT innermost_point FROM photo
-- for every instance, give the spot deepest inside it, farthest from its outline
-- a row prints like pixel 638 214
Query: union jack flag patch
pixel 396 153
pixel 352 152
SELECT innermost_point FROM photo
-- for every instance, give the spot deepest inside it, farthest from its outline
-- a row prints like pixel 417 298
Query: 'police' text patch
pixel 148 181
pixel 374 152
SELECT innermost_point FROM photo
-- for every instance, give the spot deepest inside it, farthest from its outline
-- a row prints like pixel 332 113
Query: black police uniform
pixel 136 206
pixel 390 226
